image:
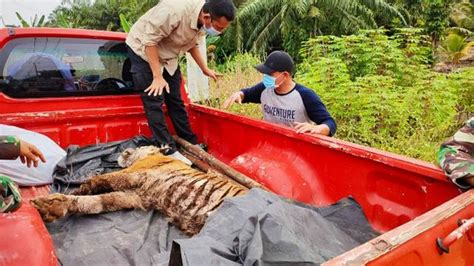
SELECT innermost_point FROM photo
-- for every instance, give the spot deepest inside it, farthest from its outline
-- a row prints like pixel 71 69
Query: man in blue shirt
pixel 285 101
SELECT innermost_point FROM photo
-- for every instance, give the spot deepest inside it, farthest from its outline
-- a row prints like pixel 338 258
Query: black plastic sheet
pixel 119 238
pixel 80 164
pixel 262 228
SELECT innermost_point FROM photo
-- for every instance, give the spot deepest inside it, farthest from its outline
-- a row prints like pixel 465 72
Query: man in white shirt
pixel 156 41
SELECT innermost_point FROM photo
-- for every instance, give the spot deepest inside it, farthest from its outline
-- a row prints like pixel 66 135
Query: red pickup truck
pixel 80 92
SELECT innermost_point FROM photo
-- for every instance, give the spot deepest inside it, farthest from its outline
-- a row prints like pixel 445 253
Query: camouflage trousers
pixel 10 197
pixel 456 156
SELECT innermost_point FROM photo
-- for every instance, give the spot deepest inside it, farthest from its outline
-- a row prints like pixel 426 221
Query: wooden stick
pixel 219 165
pixel 202 165
pixel 206 168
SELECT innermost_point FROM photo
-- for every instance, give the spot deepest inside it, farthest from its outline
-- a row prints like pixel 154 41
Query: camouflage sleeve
pixel 456 156
pixel 9 147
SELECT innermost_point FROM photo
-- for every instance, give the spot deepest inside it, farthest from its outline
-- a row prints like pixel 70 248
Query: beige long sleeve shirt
pixel 171 25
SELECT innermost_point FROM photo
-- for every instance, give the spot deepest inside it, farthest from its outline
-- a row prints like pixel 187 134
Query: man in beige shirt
pixel 155 43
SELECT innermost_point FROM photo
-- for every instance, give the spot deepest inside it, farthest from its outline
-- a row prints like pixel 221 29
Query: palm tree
pixel 262 22
pixel 33 23
pixel 462 14
pixel 455 47
pixel 412 10
pixel 99 14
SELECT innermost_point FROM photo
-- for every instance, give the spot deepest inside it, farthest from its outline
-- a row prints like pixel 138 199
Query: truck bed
pixel 410 201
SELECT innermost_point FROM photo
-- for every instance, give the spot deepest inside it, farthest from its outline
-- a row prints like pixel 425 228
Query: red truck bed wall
pixel 25 240
pixel 321 170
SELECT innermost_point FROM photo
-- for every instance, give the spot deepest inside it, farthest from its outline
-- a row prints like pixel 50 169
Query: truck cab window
pixel 61 67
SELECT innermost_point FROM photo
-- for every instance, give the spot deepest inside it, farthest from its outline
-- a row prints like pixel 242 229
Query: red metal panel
pixel 422 250
pixel 25 240
pixel 392 189
pixel 117 130
pixel 82 121
pixel 28 193
pixel 81 133
pixel 8 34
pixel 414 243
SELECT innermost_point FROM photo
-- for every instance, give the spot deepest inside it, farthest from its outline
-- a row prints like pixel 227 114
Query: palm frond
pixel 22 21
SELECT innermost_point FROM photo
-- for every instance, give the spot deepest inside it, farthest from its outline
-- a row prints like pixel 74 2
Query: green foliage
pixel 412 10
pixel 462 15
pixel 265 25
pixel 34 23
pixel 124 23
pixel 382 93
pixel 455 47
pixel 436 19
pixel 374 53
pixel 262 24
pixel 239 62
pixel 99 14
pixel 23 22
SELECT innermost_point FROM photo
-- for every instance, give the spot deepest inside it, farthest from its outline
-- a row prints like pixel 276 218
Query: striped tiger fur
pixel 183 194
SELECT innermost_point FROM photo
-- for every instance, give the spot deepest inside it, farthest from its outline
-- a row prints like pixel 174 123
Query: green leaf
pixel 23 22
pixel 41 22
pixel 124 23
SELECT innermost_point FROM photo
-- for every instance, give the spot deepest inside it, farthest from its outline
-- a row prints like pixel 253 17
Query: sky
pixel 26 8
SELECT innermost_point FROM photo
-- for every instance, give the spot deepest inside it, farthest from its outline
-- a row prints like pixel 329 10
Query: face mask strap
pixel 276 86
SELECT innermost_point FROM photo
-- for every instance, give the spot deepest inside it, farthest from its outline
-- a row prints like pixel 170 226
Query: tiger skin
pixel 185 195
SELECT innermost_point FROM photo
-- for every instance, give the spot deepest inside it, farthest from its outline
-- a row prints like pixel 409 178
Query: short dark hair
pixel 220 8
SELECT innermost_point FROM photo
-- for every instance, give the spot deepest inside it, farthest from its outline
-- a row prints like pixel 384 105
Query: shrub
pixel 379 88
pixel 382 93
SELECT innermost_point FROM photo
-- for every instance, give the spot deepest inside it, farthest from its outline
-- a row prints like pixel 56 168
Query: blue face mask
pixel 269 81
pixel 212 31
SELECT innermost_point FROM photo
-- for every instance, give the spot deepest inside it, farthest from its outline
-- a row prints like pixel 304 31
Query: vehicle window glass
pixel 51 67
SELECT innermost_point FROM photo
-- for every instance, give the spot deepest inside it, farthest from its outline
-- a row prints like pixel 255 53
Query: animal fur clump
pixel 159 182
pixel 130 156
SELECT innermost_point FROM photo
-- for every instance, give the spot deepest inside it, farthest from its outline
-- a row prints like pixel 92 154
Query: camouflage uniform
pixel 9 147
pixel 10 198
pixel 456 156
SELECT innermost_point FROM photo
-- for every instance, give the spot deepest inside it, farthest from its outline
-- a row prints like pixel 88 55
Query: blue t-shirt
pixel 299 105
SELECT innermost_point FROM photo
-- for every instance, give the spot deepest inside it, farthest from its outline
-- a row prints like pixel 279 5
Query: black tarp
pixel 80 164
pixel 259 228
pixel 119 238
pixel 262 228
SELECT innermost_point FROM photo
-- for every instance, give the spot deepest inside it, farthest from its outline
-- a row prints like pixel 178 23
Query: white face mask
pixel 212 31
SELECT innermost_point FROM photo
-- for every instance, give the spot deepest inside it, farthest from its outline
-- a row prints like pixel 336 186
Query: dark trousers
pixel 142 79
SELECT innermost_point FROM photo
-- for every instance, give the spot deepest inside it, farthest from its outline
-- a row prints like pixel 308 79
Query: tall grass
pixel 239 73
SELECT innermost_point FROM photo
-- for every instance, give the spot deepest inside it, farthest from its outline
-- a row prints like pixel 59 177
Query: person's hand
pixel 212 74
pixel 29 154
pixel 311 128
pixel 237 97
pixel 157 86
